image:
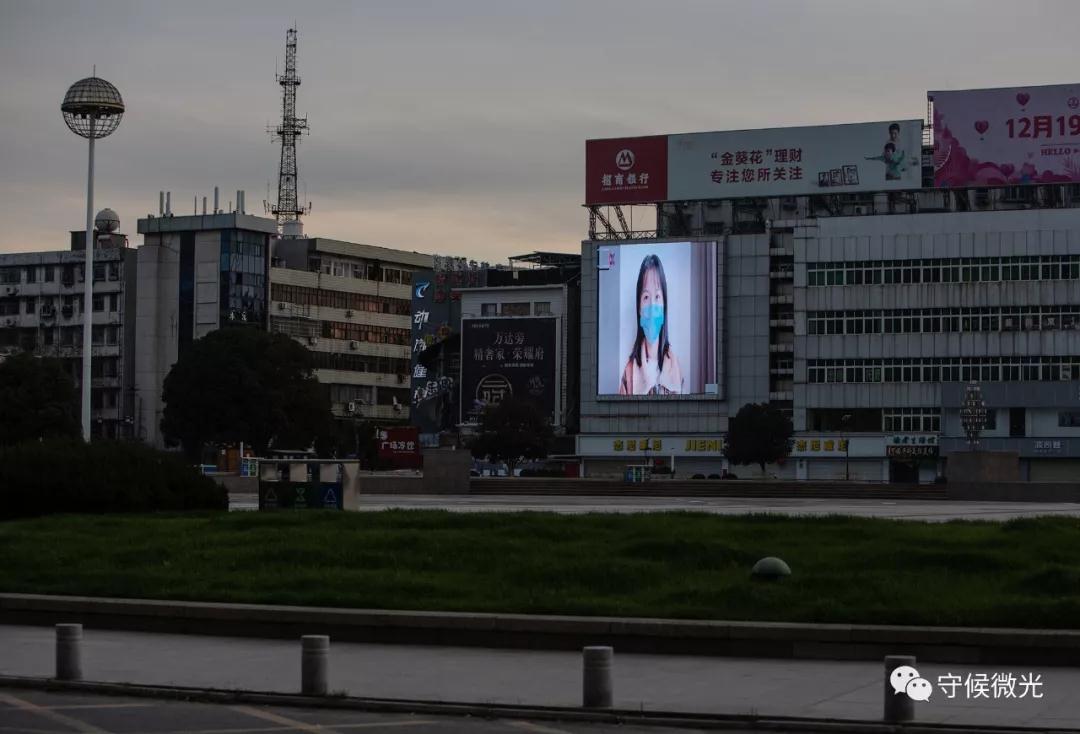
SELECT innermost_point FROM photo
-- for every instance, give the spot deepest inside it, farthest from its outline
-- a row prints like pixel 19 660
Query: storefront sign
pixel 640 445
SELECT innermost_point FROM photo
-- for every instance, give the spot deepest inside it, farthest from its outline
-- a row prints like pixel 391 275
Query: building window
pixel 515 309
pixel 99 303
pixel 99 272
pixel 31 274
pixel 114 271
pixel 28 305
pixel 542 308
pixel 1069 419
pixel 50 274
pixel 489 309
pixel 9 276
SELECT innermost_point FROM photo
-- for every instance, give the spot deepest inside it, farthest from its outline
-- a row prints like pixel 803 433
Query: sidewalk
pixel 820 689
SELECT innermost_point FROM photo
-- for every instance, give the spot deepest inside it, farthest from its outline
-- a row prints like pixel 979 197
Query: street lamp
pixel 92 109
pixel 845 419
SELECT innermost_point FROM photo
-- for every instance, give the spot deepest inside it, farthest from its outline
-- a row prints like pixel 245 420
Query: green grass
pixel 1024 573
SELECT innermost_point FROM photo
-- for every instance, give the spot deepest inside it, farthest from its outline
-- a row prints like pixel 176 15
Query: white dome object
pixel 106 221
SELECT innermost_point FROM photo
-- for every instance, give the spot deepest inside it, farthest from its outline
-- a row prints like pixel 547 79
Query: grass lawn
pixel 1024 573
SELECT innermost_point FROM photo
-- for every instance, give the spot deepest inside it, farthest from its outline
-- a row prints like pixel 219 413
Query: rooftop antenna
pixel 287 210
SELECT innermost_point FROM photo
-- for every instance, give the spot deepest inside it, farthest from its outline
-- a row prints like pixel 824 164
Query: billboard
pixel 792 161
pixel 1007 136
pixel 400 446
pixel 656 319
pixel 626 170
pixel 508 356
pixel 436 311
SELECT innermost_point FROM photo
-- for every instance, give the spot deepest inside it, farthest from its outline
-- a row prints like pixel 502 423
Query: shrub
pixel 48 477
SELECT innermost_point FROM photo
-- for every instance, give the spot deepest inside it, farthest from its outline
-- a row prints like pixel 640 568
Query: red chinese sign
pixel 626 170
pixel 400 446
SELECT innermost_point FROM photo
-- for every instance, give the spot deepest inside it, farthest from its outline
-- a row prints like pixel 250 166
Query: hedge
pixel 66 476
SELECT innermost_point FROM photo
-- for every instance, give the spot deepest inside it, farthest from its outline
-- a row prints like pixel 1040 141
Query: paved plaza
pixel 819 689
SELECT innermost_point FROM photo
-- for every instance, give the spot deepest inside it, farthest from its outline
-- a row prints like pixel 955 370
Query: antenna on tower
pixel 287 210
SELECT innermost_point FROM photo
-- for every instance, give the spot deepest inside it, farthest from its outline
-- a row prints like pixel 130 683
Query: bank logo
pixel 907 680
pixel 624 159
pixel 421 288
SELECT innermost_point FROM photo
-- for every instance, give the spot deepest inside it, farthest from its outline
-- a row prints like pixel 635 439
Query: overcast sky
pixel 459 127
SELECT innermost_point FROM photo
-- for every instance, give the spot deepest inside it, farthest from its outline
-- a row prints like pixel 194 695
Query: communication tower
pixel 288 210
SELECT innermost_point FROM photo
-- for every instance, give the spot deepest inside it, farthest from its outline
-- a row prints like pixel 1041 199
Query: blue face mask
pixel 652 320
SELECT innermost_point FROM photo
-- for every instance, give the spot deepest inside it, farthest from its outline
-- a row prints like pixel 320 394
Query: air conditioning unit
pixel 9 322
pixel 350 407
pixel 12 290
pixel 348 314
pixel 1066 373
pixel 313 340
pixel 68 311
pixel 1008 324
pixel 48 312
pixel 789 202
pixel 281 306
pixel 402 379
pixel 860 210
pixel 354 345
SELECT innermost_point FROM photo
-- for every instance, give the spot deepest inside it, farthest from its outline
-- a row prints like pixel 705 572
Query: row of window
pixel 521 308
pixel 911 419
pixel 935 320
pixel 365 333
pixel 363 270
pixel 945 369
pixel 339 299
pixel 361 363
pixel 69 273
pixel 945 270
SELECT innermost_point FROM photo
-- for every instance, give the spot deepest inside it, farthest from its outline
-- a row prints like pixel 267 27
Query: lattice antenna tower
pixel 288 210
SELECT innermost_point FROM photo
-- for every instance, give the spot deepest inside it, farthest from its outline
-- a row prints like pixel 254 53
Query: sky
pixel 459 127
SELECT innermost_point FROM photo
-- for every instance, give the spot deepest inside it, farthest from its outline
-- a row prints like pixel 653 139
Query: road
pixel 928 510
pixel 25 711
pixel 649 683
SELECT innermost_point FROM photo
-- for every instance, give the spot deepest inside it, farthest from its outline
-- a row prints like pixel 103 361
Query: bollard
pixel 314 659
pixel 69 652
pixel 596 688
pixel 899 706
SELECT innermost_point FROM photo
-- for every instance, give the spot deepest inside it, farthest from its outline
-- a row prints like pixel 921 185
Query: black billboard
pixel 508 356
pixel 436 313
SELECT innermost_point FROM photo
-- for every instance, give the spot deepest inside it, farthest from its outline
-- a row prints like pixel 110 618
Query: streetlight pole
pixel 845 420
pixel 92 109
pixel 88 290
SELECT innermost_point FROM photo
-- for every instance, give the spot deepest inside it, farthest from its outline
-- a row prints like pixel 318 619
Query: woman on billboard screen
pixel 652 368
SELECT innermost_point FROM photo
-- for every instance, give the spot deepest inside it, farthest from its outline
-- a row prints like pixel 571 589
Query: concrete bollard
pixel 596 681
pixel 899 706
pixel 314 660
pixel 69 652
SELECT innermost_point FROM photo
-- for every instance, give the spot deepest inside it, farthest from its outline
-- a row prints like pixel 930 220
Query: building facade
pixel 196 274
pixel 351 305
pixel 864 317
pixel 41 311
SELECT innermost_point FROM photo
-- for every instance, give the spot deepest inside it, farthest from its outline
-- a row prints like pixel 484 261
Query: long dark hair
pixel 651 262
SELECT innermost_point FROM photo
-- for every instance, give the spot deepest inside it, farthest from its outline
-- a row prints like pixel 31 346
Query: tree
pixel 758 434
pixel 244 384
pixel 512 431
pixel 37 400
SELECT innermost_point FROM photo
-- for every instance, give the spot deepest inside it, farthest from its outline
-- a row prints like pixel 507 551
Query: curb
pixel 493 711
pixel 959 645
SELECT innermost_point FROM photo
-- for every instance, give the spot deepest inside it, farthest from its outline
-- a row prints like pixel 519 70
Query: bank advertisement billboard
pixel 792 161
pixel 656 319
pixel 1007 136
pixel 501 357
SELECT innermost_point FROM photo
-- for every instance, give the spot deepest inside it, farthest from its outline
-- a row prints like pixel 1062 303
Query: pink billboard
pixel 1007 136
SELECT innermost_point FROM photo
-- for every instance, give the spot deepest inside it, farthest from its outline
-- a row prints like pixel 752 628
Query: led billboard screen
pixel 1007 136
pixel 656 319
pixel 508 356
